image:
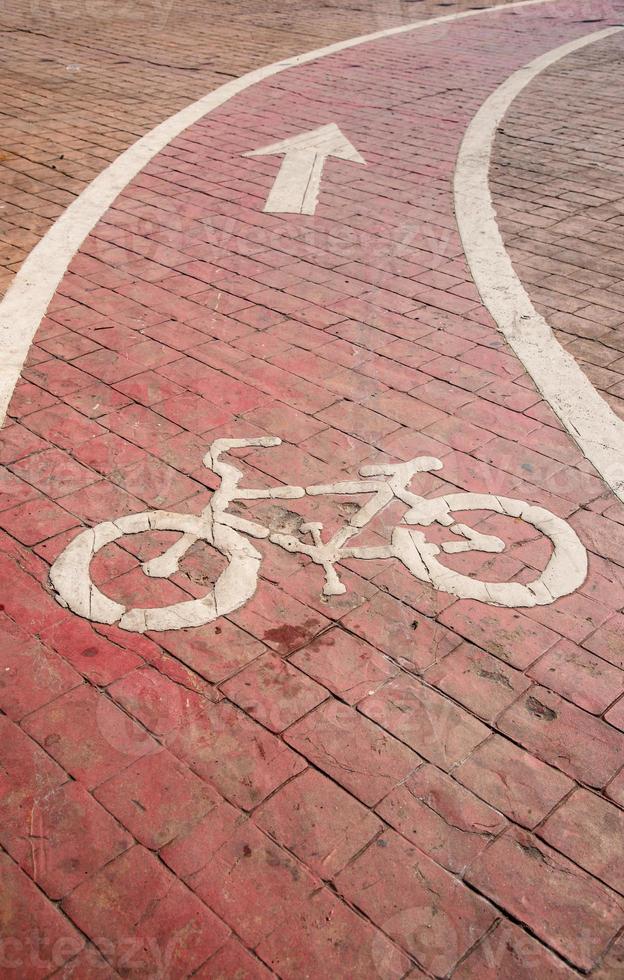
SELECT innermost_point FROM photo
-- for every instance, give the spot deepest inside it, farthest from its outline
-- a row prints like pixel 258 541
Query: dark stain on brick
pixel 494 675
pixel 286 636
pixel 540 710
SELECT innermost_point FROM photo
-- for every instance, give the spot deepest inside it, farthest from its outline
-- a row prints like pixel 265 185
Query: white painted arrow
pixel 298 182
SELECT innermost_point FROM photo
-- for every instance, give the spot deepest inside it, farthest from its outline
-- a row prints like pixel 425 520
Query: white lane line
pixel 26 301
pixel 584 413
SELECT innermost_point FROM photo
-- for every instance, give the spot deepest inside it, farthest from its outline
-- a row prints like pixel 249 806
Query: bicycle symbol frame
pixel 70 574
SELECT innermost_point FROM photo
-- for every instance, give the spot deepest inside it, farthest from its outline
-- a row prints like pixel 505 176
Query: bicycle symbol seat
pixel 71 577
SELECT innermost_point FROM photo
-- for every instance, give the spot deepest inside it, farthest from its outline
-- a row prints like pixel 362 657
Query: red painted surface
pixel 376 784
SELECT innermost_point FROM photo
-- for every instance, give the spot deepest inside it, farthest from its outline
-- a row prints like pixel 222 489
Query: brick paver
pixel 387 782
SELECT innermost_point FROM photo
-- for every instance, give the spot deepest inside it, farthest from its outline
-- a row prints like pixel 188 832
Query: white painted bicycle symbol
pixel 71 577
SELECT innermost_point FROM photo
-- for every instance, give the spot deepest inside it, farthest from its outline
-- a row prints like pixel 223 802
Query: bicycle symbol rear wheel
pixel 71 573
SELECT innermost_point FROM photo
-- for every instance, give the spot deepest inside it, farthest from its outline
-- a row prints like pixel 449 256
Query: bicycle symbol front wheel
pixel 564 573
pixel 71 573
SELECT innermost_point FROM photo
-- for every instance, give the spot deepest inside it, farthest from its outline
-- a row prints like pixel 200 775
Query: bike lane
pixel 391 779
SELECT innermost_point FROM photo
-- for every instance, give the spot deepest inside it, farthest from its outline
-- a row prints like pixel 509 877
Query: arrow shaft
pixel 297 184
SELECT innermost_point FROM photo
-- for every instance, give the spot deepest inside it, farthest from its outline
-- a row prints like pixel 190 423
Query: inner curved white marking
pixel 582 410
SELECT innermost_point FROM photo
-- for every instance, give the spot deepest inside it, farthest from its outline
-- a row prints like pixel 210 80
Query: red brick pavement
pixel 558 185
pixel 390 782
pixel 80 82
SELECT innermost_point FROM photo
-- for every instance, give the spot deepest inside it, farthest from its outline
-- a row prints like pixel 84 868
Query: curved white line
pixel 26 301
pixel 584 413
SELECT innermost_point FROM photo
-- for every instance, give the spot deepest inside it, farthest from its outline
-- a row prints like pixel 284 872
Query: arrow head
pixel 327 141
